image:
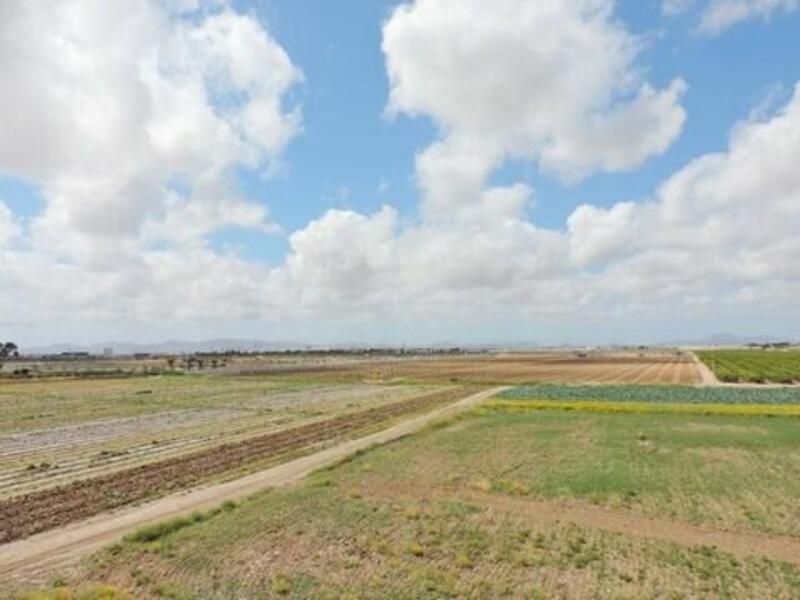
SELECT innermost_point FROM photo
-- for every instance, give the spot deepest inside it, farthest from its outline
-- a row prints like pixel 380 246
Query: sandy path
pixel 741 544
pixel 40 553
pixel 707 376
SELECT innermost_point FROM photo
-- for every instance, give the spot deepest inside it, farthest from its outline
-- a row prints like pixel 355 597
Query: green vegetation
pixel 602 406
pixel 756 366
pixel 442 514
pixel 654 393
pixel 652 399
pixel 158 531
pixel 731 472
pixel 88 592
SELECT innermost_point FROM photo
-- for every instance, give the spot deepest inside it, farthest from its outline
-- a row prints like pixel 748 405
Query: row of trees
pixel 8 350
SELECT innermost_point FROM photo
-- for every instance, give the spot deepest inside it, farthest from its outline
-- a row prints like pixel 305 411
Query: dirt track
pixel 28 558
pixel 707 376
pixel 782 548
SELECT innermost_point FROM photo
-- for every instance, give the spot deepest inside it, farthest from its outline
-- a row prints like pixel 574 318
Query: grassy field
pixel 756 366
pixel 464 510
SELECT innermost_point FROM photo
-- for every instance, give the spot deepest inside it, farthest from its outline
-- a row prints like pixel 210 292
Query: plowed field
pixel 25 515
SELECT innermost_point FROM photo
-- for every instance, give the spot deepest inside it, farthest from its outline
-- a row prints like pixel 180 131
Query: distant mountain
pixel 729 339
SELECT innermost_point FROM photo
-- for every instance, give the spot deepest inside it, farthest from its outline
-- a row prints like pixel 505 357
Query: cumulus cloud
pixel 721 231
pixel 132 128
pixel 551 82
pixel 719 15
pixel 9 228
pixel 130 119
pixel 724 223
pixel 122 113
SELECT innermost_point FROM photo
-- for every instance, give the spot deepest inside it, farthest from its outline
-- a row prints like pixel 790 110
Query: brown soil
pixel 663 368
pixel 25 515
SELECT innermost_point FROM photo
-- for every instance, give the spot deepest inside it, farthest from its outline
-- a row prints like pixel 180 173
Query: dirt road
pixel 707 376
pixel 743 544
pixel 38 554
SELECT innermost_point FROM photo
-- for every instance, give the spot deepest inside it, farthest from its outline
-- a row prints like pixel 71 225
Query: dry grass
pixel 376 526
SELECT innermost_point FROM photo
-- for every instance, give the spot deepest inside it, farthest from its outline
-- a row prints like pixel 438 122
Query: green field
pixel 654 393
pixel 756 366
pixel 461 510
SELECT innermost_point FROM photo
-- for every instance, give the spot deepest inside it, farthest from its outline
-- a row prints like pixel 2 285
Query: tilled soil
pixel 32 513
pixel 85 434
pixel 495 370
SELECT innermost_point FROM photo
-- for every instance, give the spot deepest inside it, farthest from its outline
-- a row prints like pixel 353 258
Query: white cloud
pixel 724 223
pixel 109 105
pixel 9 228
pixel 136 172
pixel 720 233
pixel 551 82
pixel 719 15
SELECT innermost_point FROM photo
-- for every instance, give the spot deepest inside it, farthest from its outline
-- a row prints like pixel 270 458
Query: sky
pixel 417 172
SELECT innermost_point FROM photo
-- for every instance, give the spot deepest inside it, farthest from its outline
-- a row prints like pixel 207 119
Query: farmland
pixel 599 475
pixel 661 367
pixel 755 366
pixel 501 503
pixel 54 432
pixel 746 401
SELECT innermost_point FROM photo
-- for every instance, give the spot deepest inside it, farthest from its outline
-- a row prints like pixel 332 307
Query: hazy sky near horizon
pixel 583 171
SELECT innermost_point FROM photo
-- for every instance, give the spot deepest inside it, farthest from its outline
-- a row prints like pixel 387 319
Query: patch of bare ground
pixel 707 376
pixel 697 427
pixel 562 367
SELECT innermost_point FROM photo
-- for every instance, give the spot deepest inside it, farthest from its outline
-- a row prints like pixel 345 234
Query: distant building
pixel 108 352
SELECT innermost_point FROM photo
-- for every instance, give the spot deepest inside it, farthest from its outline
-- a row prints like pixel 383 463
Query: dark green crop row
pixel 654 393
pixel 757 366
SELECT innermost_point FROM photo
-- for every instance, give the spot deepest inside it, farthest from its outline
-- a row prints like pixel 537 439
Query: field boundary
pixel 33 557
pixel 707 376
pixel 605 406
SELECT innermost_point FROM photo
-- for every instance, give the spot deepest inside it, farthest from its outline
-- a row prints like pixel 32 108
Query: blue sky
pixel 349 146
pixel 349 154
pixel 352 155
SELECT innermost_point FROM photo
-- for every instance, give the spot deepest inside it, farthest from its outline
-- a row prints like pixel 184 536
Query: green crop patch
pixel 755 366
pixel 654 394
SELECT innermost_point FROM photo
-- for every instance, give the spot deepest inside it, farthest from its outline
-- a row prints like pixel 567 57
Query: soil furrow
pixel 25 515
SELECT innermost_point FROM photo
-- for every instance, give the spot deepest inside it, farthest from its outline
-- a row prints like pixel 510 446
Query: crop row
pixel 21 516
pixel 654 394
pixel 756 366
pixel 602 406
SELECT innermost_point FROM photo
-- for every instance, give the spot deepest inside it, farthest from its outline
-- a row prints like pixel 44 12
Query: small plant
pixel 463 561
pixel 415 549
pixel 281 584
